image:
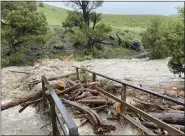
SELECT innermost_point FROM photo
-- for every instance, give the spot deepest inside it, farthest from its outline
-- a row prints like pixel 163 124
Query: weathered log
pixel 175 111
pixel 25 105
pixel 100 107
pixel 32 96
pixel 99 125
pixel 139 103
pixel 83 95
pixel 68 90
pixel 82 108
pixel 178 107
pixel 172 118
pixel 155 126
pixel 97 101
pixel 94 97
pixel 81 116
pixel 32 83
pixel 18 101
pixel 93 91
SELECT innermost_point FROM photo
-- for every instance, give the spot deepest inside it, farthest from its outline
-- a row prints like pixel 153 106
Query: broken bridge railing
pixel 125 105
pixel 62 121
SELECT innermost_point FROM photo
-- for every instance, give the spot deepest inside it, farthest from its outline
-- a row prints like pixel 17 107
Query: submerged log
pixel 172 118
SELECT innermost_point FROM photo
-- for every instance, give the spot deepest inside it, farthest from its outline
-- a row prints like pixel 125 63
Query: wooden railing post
pixel 53 116
pixel 123 98
pixel 77 74
pixel 43 102
pixel 94 77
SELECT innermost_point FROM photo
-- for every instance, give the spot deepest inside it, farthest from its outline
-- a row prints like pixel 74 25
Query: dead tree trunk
pixel 33 96
pixel 18 101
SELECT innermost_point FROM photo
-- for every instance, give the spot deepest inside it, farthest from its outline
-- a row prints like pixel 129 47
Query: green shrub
pixel 41 4
pixel 117 52
pixel 89 57
pixel 154 40
pixel 13 60
pixel 80 59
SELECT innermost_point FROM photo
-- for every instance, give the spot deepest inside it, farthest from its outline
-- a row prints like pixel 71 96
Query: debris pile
pixel 164 110
pixel 86 101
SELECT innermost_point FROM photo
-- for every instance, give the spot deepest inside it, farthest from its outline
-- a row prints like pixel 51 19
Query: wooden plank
pixel 142 113
pixel 147 90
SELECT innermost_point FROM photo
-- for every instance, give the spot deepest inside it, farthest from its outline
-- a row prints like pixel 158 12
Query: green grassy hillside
pixel 132 20
pixel 56 16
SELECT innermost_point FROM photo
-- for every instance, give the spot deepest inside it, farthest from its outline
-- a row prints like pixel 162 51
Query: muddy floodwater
pixel 137 71
pixel 26 123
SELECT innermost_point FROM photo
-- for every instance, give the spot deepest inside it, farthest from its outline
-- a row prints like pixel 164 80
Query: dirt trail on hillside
pixel 137 71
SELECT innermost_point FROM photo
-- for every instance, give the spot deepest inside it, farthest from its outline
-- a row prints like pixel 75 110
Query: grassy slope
pixel 56 16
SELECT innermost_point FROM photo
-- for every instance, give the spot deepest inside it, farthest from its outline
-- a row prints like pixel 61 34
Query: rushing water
pixel 26 123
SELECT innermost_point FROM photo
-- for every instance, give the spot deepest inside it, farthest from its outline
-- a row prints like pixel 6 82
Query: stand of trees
pixel 84 23
pixel 21 26
pixel 167 40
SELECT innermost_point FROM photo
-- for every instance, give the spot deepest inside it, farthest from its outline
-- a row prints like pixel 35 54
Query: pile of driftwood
pixel 84 101
pixel 87 102
pixel 166 111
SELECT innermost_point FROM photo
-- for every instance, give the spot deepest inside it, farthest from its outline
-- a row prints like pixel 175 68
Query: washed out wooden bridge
pixel 72 128
pixel 63 123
